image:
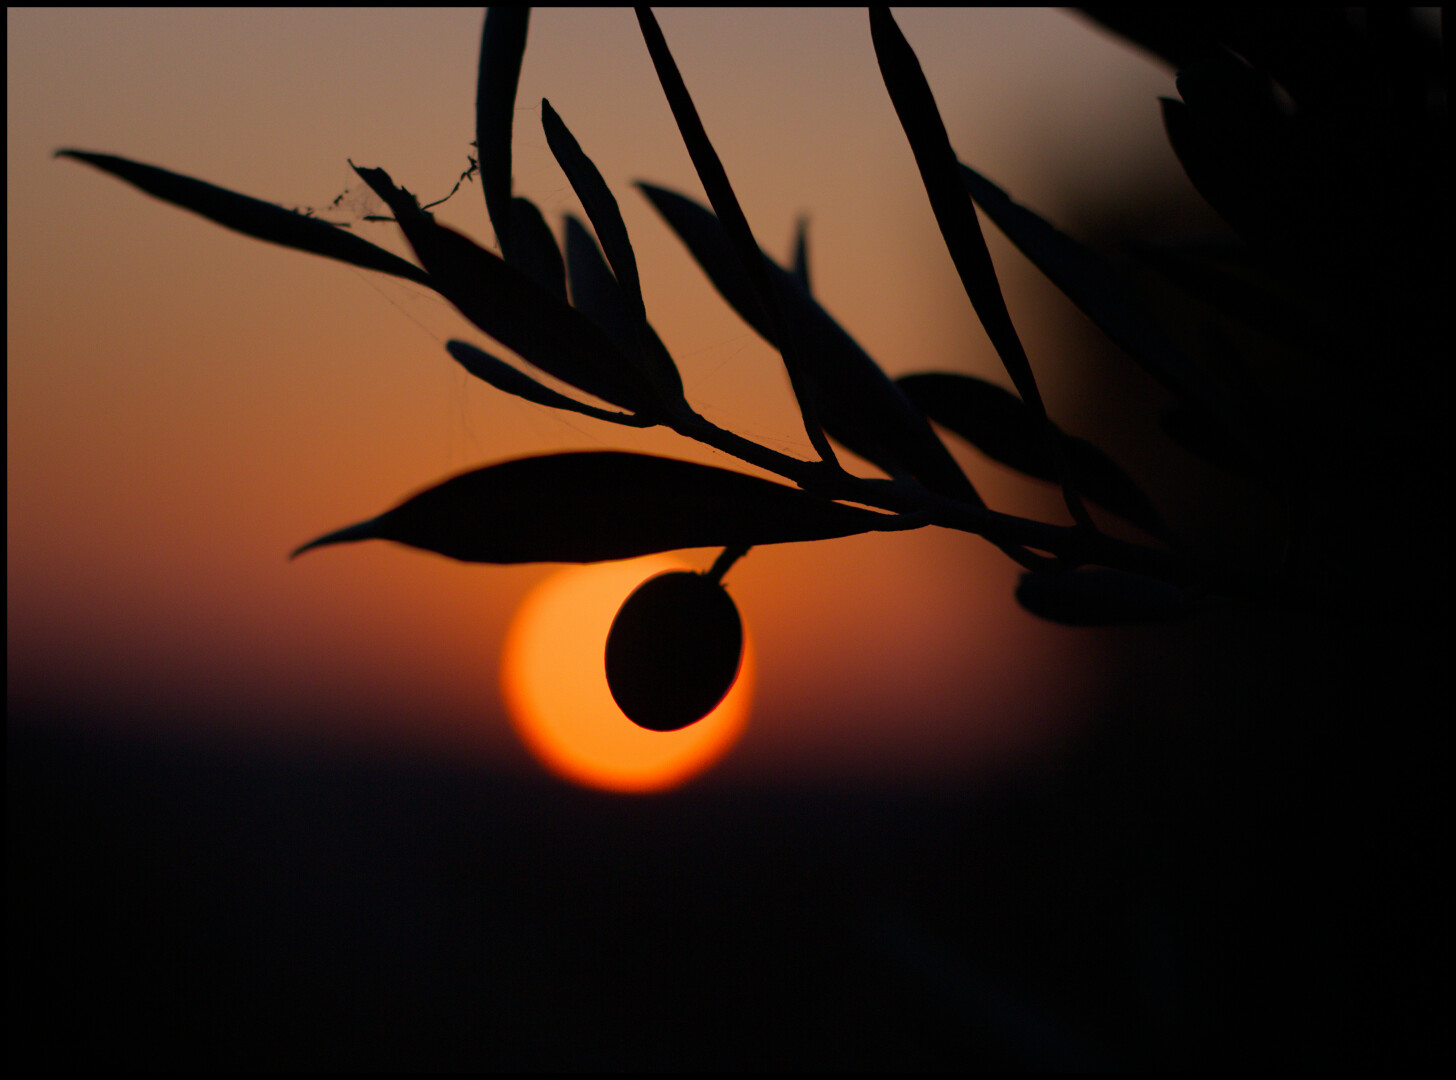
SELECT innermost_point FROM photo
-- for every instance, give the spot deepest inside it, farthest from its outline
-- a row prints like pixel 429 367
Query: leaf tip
pixel 364 530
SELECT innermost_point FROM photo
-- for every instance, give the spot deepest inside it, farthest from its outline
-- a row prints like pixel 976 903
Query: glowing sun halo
pixel 555 685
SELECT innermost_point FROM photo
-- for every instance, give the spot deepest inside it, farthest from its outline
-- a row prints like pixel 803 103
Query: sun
pixel 554 680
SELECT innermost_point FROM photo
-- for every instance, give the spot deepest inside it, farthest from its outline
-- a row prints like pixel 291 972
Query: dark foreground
pixel 1206 890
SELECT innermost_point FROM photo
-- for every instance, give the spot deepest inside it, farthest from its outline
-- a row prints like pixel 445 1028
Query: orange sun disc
pixel 554 680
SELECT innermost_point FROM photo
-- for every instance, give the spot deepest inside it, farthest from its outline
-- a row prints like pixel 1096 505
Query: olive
pixel 673 650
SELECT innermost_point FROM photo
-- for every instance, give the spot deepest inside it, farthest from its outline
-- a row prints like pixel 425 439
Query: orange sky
pixel 185 405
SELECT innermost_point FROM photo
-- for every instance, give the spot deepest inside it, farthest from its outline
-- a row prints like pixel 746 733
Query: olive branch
pixel 578 314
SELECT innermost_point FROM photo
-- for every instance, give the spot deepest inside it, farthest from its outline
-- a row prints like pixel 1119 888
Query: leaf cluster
pixel 576 312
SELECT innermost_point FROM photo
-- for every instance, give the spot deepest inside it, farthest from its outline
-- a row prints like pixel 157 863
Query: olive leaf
pixel 599 203
pixel 999 424
pixel 1100 596
pixel 1218 169
pixel 594 506
pixel 707 241
pixel 254 217
pixel 1183 35
pixel 596 293
pixel 1323 62
pixel 601 208
pixel 740 237
pixel 959 227
pixel 512 308
pixel 859 404
pixel 801 254
pixel 1223 419
pixel 534 248
pixel 954 213
pixel 1278 181
pixel 502 45
pixel 504 376
pixel 1104 296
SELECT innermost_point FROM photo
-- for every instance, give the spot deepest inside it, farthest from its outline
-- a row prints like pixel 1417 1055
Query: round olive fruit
pixel 673 650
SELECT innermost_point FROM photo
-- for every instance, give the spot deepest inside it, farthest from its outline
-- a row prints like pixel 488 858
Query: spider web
pixel 358 204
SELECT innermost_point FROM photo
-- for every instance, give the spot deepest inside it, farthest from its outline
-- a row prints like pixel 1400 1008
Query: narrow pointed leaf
pixel 1099 596
pixel 536 253
pixel 1108 300
pixel 959 226
pixel 1261 173
pixel 504 376
pixel 513 309
pixel 256 218
pixel 859 404
pixel 740 236
pixel 1098 289
pixel 801 255
pixel 1254 165
pixel 708 243
pixel 600 206
pixel 594 290
pixel 502 44
pixel 589 507
pixel 597 294
pixel 954 213
pixel 1185 34
pixel 1220 171
pixel 999 424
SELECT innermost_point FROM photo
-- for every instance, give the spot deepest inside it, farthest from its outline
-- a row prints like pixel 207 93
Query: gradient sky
pixel 186 405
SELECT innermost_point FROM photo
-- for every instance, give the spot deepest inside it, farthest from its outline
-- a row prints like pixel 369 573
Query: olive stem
pixel 1036 545
pixel 729 556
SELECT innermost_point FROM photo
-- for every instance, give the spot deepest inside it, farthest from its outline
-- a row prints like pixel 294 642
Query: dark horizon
pixel 1250 874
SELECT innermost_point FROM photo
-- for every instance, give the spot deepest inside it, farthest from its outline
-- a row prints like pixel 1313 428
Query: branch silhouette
pixel 1352 242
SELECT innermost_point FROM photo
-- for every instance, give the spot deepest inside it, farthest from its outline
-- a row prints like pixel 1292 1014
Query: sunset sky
pixel 186 405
